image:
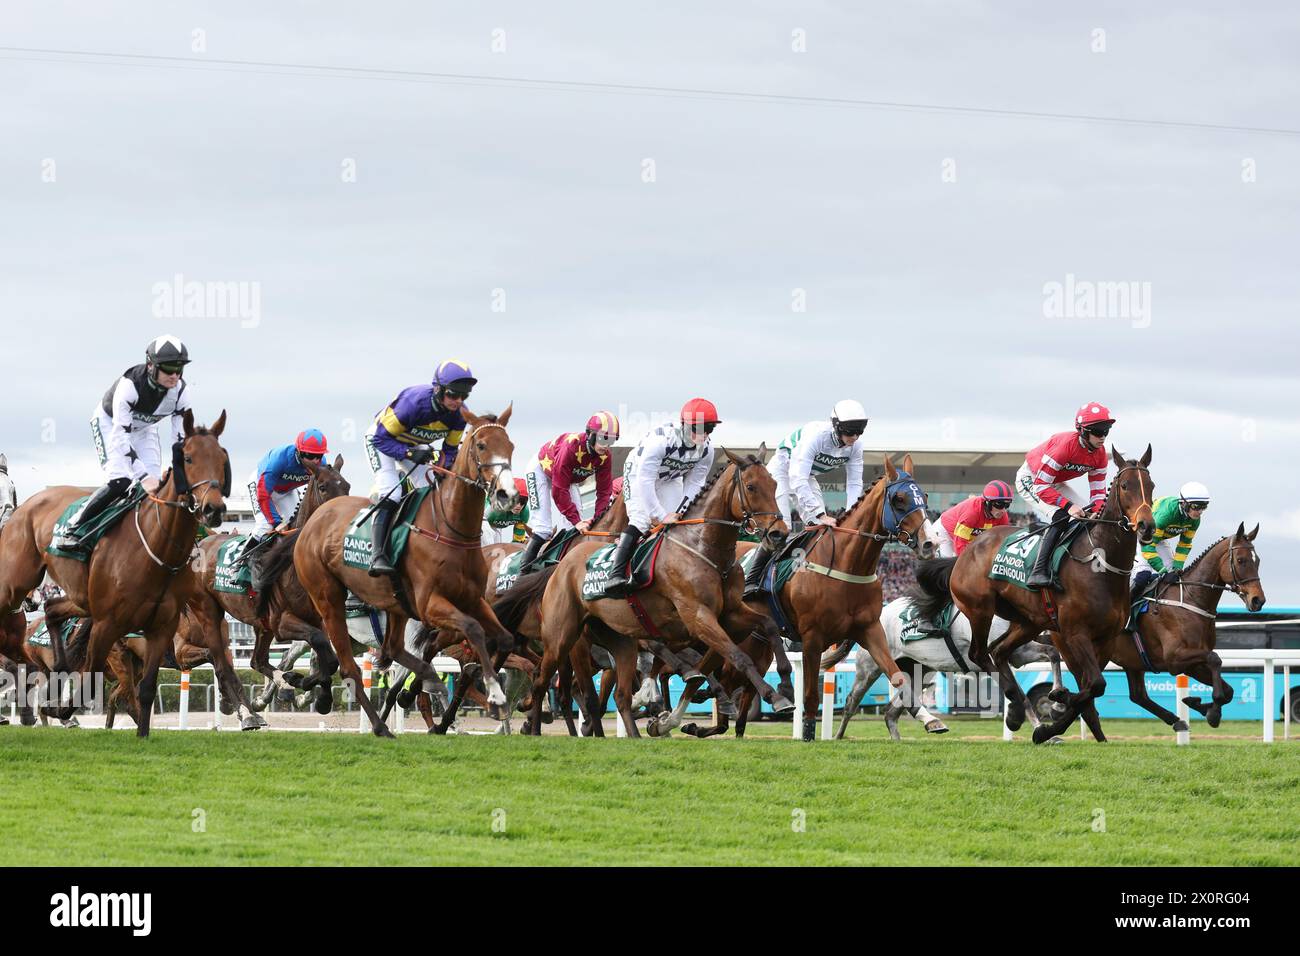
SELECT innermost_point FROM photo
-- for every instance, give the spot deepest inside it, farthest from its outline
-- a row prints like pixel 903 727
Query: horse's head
pixel 1132 492
pixel 201 469
pixel 753 497
pixel 1239 567
pixel 902 512
pixel 485 454
pixel 327 482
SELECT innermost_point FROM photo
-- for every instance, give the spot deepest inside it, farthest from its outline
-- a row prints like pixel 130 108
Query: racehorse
pixel 1177 634
pixel 836 596
pixel 930 654
pixel 138 576
pixel 282 608
pixel 684 603
pixel 441 575
pixel 1087 616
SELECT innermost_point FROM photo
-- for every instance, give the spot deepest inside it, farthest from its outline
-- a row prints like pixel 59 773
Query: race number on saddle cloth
pixel 232 574
pixel 96 527
pixel 358 543
pixel 1019 553
pixel 600 566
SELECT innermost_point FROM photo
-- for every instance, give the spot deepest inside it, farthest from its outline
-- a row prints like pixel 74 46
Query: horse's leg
pixel 233 695
pixel 463 681
pixel 703 626
pixel 155 647
pixel 1077 650
pixel 1208 669
pixel 564 695
pixel 624 651
pixel 866 673
pixel 747 696
pixel 425 705
pixel 330 607
pixel 563 614
pixel 1019 632
pixel 580 661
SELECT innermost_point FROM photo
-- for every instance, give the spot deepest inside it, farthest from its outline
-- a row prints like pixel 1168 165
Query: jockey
pixel 8 494
pixel 126 426
pixel 1176 517
pixel 399 442
pixel 1064 457
pixel 806 452
pixel 964 522
pixel 514 517
pixel 276 489
pixel 561 466
pixel 661 475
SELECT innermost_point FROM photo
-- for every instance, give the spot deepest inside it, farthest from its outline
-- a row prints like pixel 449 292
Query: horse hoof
pixel 691 729
pixel 251 723
pixel 324 701
pixel 785 689
pixel 382 730
pixel 809 730
pixel 655 728
pixel 1042 734
pixel 1016 715
pixel 28 720
pixel 1180 726
pixel 1213 716
pixel 936 726
pixel 727 707
pixel 1058 694
pixel 783 705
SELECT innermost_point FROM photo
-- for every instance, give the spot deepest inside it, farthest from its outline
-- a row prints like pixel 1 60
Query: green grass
pixel 95 798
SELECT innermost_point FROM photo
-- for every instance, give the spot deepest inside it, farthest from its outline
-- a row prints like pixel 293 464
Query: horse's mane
pixel 849 509
pixel 1197 560
pixel 713 480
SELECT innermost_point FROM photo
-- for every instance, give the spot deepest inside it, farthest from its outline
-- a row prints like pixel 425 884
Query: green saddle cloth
pixel 775 579
pixel 358 542
pixel 551 554
pixel 42 636
pixel 233 575
pixel 1019 552
pixel 91 532
pixel 918 628
pixel 600 567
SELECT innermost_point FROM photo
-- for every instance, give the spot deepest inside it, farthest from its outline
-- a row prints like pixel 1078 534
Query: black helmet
pixel 167 350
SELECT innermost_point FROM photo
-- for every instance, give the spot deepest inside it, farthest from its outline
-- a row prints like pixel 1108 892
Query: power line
pixel 580 86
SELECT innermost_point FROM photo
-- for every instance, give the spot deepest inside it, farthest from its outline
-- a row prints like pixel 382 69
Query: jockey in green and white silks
pixel 1178 517
pixel 813 450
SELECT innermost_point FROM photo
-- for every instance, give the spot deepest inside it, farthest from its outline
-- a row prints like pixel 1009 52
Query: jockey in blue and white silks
pixel 276 489
pixel 666 470
pixel 400 443
pixel 126 426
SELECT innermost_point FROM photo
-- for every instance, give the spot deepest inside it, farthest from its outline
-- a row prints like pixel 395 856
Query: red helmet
pixel 1094 413
pixel 997 491
pixel 603 425
pixel 311 442
pixel 700 411
pixel 521 487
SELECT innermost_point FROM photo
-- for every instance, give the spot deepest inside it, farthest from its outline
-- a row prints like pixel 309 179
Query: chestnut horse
pixel 836 596
pixel 283 610
pixel 1178 632
pixel 686 600
pixel 138 576
pixel 441 577
pixel 1093 609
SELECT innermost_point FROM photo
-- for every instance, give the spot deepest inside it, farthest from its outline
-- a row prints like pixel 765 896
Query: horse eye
pixel 482 447
pixel 189 460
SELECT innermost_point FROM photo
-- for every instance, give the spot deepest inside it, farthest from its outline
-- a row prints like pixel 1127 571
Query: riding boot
pixel 380 561
pixel 620 578
pixel 1041 576
pixel 254 562
pixel 754 576
pixel 533 548
pixel 103 497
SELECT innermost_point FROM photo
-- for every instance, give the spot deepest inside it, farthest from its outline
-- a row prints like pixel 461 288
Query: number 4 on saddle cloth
pixel 358 541
pixel 1019 552
pixel 90 533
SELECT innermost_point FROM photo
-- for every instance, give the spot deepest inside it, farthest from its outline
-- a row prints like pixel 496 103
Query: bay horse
pixel 283 608
pixel 685 601
pixel 441 577
pixel 1177 632
pixel 138 577
pixel 836 596
pixel 1093 609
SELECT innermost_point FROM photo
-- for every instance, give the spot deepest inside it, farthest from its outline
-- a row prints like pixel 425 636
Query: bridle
pixel 1097 556
pixel 478 482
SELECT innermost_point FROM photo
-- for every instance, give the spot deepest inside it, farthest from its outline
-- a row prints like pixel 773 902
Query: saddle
pixel 90 533
pixel 550 554
pixel 358 542
pixel 599 567
pixel 1019 552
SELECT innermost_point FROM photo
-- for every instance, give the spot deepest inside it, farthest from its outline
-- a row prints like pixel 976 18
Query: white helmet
pixel 849 415
pixel 1195 492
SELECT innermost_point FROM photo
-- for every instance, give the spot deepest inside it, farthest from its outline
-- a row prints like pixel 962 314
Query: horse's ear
pixel 1241 530
pixel 890 470
pixel 1146 456
pixel 761 454
pixel 470 417
pixel 907 463
pixel 219 425
pixel 187 418
pixel 338 463
pixel 731 458
pixel 1116 457
pixel 1251 536
pixel 504 418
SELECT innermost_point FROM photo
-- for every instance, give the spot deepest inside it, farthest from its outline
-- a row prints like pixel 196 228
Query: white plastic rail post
pixel 1182 688
pixel 367 676
pixel 796 667
pixel 216 700
pixel 185 701
pixel 1286 701
pixel 1269 702
pixel 828 704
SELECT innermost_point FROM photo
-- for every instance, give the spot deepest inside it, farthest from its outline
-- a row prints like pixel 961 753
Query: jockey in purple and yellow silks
pixel 399 443
pixel 275 490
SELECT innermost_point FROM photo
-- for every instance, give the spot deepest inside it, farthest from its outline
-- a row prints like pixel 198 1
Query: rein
pixel 466 542
pixel 1097 556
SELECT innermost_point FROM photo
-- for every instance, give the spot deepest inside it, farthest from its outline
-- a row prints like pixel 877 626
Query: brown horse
pixel 836 595
pixel 283 608
pixel 1178 632
pixel 441 578
pixel 686 600
pixel 138 576
pixel 1087 616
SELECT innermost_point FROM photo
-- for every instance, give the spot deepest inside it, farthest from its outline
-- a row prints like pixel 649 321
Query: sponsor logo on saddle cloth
pixel 599 567
pixel 358 546
pixel 509 572
pixel 1015 559
pixel 916 628
pixel 231 575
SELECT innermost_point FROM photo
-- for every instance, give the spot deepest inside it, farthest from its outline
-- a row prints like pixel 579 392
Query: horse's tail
pixel 836 654
pixel 421 638
pixel 512 606
pixel 78 648
pixel 932 589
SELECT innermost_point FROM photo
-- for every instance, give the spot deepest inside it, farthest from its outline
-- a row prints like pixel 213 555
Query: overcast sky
pixel 604 248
